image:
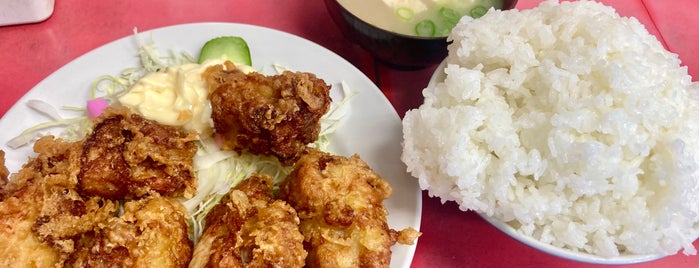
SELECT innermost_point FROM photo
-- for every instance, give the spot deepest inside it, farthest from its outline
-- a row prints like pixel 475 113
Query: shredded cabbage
pixel 29 135
pixel 217 171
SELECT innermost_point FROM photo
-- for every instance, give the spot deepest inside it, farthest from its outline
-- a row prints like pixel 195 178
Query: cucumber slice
pixel 232 48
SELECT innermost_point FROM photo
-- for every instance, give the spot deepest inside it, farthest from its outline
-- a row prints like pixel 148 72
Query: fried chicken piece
pixel 4 172
pixel 41 211
pixel 54 158
pixel 152 232
pixel 271 115
pixel 339 201
pixel 20 247
pixel 127 156
pixel 249 228
pixel 47 217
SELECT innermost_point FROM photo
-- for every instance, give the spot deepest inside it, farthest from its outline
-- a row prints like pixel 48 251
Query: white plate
pixel 372 128
pixel 439 76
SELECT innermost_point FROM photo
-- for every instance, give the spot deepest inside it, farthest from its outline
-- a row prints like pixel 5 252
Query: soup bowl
pixel 400 51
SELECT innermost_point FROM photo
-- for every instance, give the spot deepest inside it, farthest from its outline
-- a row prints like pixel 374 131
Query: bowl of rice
pixel 569 128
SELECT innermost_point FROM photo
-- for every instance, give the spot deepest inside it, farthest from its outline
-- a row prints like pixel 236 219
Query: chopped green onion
pixel 478 12
pixel 449 15
pixel 405 13
pixel 425 28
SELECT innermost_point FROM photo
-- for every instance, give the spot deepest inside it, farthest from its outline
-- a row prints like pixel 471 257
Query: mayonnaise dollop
pixel 177 96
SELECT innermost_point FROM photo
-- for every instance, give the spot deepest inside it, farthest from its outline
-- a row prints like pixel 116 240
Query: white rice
pixel 569 122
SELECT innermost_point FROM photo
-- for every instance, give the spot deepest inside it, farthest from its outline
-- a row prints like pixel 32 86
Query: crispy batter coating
pixel 4 173
pixel 54 158
pixel 127 156
pixel 41 211
pixel 20 247
pixel 152 232
pixel 249 228
pixel 49 217
pixel 339 201
pixel 271 115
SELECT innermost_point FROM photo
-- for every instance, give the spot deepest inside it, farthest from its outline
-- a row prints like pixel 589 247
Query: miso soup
pixel 418 17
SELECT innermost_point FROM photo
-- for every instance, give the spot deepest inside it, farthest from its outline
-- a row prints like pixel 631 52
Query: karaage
pixel 51 215
pixel 339 202
pixel 4 173
pixel 128 156
pixel 249 228
pixel 41 211
pixel 152 232
pixel 275 115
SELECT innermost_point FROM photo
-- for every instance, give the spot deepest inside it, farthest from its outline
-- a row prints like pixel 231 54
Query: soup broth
pixel 418 17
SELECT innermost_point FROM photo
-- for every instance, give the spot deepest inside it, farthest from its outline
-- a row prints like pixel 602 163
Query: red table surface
pixel 452 238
